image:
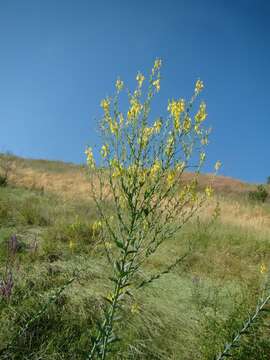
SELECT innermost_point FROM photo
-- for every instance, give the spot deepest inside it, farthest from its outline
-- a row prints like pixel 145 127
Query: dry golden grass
pixel 70 181
pixel 72 184
pixel 246 216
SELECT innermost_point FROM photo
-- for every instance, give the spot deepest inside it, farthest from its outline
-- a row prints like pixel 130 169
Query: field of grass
pixel 189 313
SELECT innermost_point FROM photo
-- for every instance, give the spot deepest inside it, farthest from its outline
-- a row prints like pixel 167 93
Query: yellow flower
pixel 198 86
pixel 170 178
pixel 183 194
pixel 108 245
pixel 157 65
pixel 140 79
pixel 113 127
pixel 202 156
pixel 197 129
pixel 217 165
pixel 117 168
pixel 134 110
pixel 155 168
pixel 201 114
pixel 90 157
pixel 187 124
pixel 157 126
pixel 263 268
pixel 105 104
pixel 169 146
pixel 119 85
pixel 131 170
pixel 135 308
pixel 209 191
pixel 142 175
pixel 104 150
pixel 175 108
pixel 146 133
pixel 156 84
pixel 180 166
pixel 194 196
pixel 204 141
pixel 71 244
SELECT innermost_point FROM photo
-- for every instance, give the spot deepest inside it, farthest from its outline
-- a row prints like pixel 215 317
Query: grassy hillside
pixel 70 180
pixel 187 314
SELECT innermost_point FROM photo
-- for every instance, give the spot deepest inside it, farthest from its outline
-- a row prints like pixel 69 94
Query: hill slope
pixel 186 314
pixel 70 179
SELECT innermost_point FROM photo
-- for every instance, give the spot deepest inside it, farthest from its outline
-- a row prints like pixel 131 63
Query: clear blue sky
pixel 58 58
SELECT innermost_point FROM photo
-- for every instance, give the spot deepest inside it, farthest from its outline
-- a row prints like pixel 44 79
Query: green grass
pixel 186 314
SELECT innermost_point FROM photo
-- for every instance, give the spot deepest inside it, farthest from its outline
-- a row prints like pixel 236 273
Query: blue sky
pixel 59 58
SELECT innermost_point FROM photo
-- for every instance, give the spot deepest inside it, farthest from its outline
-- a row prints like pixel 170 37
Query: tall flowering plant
pixel 141 176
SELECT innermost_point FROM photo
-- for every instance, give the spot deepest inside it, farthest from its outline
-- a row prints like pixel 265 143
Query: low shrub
pixel 260 194
pixel 3 180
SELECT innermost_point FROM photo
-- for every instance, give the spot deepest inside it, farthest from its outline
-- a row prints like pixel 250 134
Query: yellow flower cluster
pixel 131 170
pixel 169 146
pixel 175 108
pixel 197 129
pixel 140 79
pixel 209 191
pixel 170 178
pixel 202 157
pixel 108 245
pixel 146 134
pixel 263 268
pixel 201 114
pixel 187 124
pixel 204 141
pixel 117 169
pixel 105 104
pixel 135 109
pixel 90 157
pixel 113 126
pixel 179 167
pixel 217 165
pixel 157 65
pixel 157 126
pixel 198 86
pixel 104 150
pixel 189 192
pixel 156 84
pixel 119 85
pixel 155 168
pixel 142 174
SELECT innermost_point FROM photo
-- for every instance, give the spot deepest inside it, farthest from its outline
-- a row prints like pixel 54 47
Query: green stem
pixel 229 347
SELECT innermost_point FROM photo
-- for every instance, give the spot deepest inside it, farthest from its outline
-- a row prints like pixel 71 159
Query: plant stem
pixel 247 324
